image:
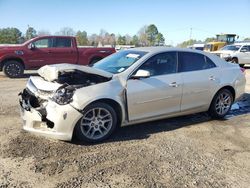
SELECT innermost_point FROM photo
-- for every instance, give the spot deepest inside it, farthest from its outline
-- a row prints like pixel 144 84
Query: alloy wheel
pixel 96 123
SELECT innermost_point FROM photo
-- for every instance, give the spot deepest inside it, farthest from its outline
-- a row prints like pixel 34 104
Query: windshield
pixel 208 47
pixel 231 47
pixel 119 61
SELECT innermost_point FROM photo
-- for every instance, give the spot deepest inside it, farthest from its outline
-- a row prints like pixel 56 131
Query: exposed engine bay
pixel 78 78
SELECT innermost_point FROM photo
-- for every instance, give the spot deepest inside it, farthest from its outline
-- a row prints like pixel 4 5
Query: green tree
pixel 160 40
pixel 10 36
pixel 247 39
pixel 30 33
pixel 121 40
pixel 135 40
pixel 152 33
pixel 81 37
pixel 209 39
pixel 187 43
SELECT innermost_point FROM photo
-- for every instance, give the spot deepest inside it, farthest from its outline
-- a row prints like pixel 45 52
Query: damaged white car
pixel 128 87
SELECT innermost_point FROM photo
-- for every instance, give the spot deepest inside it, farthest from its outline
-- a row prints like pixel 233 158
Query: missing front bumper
pixel 50 120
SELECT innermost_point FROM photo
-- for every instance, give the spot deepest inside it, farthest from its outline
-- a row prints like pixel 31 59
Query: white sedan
pixel 128 87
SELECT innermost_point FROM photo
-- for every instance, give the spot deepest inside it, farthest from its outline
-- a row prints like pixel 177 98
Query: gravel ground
pixel 189 151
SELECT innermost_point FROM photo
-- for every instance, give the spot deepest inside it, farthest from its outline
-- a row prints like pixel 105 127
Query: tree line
pixel 146 36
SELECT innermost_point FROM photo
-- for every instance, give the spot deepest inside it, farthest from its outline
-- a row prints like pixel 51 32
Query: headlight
pixel 225 55
pixel 64 95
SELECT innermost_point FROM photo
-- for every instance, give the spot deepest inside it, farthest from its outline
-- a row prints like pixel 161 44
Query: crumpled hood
pixel 51 72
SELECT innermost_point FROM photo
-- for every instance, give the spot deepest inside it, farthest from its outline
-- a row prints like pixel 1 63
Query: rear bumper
pixel 54 121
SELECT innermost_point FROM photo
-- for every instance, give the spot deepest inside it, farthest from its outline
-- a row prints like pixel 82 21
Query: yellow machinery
pixel 221 40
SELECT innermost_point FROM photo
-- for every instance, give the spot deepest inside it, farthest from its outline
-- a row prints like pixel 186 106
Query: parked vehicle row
pixel 128 87
pixel 238 53
pixel 47 50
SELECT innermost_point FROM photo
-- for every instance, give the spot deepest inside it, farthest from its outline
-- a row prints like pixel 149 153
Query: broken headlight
pixel 64 95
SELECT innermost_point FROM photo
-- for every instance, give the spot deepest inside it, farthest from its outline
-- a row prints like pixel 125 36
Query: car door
pixel 63 50
pixel 160 94
pixel 244 55
pixel 199 78
pixel 40 55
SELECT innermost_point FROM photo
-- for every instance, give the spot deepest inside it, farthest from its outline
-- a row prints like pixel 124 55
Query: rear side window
pixel 189 61
pixel 62 43
pixel 247 48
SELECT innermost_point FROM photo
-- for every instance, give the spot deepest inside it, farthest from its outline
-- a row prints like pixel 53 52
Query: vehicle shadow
pixel 145 130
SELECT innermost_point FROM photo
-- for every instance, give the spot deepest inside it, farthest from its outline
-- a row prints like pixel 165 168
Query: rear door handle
pixel 212 78
pixel 173 84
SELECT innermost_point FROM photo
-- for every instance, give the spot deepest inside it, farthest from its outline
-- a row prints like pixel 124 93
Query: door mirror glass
pixel 141 74
pixel 31 46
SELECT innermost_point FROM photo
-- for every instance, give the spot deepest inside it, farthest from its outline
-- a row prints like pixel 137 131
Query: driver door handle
pixel 212 78
pixel 173 84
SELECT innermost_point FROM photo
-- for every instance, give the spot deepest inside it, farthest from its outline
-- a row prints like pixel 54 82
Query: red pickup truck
pixel 39 51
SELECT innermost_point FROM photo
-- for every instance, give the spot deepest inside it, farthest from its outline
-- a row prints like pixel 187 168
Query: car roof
pixel 157 49
pixel 242 43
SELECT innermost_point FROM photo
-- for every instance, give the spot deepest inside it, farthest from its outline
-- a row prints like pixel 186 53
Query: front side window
pixel 245 48
pixel 43 43
pixel 160 64
pixel 62 43
pixel 231 47
pixel 189 61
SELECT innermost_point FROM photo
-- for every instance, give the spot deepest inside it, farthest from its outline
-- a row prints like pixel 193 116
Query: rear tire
pixel 13 69
pixel 221 104
pixel 98 122
pixel 235 60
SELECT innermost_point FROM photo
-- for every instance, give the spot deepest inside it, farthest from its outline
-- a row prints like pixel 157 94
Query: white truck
pixel 237 53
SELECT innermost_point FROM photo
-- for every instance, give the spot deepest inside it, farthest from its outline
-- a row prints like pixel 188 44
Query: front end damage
pixel 46 104
pixel 47 118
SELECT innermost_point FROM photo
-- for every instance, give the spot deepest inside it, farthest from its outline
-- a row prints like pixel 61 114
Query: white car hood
pixel 51 72
pixel 222 52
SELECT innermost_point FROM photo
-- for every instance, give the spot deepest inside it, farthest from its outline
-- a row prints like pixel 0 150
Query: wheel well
pixel 115 105
pixel 236 58
pixel 231 89
pixel 8 59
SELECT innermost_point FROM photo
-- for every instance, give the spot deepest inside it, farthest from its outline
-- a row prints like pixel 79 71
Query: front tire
pixel 98 122
pixel 221 104
pixel 13 69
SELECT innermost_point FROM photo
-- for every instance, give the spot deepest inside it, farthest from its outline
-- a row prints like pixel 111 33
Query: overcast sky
pixel 174 18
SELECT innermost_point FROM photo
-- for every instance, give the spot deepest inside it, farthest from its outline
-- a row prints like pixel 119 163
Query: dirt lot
pixel 191 151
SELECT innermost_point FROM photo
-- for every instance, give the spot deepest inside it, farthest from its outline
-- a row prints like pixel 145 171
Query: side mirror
pixel 141 74
pixel 31 46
